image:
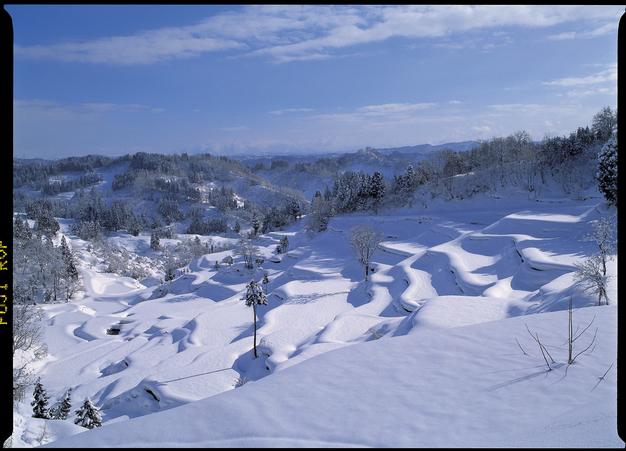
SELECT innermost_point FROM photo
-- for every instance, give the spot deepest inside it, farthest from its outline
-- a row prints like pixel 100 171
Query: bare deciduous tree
pixel 364 240
pixel 247 251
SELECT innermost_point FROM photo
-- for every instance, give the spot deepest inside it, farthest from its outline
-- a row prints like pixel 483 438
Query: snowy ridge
pixel 345 362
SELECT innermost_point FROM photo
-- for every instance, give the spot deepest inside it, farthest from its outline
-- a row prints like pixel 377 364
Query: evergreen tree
pixel 40 404
pixel 607 170
pixel 63 409
pixel 133 225
pixel 254 297
pixel 155 243
pixel 284 244
pixel 21 230
pixel 87 416
pixel 75 228
pixel 46 224
pixel 265 280
pixel 256 224
pixel 377 188
pixel 69 262
pixel 295 209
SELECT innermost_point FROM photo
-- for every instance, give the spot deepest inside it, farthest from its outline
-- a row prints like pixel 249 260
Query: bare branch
pixel 594 337
pixel 607 371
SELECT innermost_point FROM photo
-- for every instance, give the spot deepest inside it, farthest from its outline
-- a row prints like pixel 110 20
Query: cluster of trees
pixel 42 272
pixel 208 227
pixel 35 175
pixel 87 416
pixel 223 198
pixel 55 187
pixel 353 191
pixel 28 344
pixel 574 163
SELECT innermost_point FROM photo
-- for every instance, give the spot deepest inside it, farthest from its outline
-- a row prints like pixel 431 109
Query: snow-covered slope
pixel 468 386
pixel 449 296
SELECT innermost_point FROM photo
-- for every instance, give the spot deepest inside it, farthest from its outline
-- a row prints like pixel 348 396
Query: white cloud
pixel 600 77
pixel 609 28
pixel 393 108
pixel 302 32
pixel 289 110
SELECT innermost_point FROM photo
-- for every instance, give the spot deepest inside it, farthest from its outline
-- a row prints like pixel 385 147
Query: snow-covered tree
pixel 364 240
pixel 591 278
pixel 317 220
pixel 21 230
pixel 254 297
pixel 46 224
pixel 607 170
pixel 247 251
pixel 62 410
pixel 284 244
pixel 88 416
pixel 40 403
pixel 604 123
pixel 294 208
pixel 256 223
pixel 377 189
pixel 604 237
pixel 265 280
pixel 155 243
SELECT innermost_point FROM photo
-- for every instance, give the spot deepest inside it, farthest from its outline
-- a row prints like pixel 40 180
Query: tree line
pixel 588 156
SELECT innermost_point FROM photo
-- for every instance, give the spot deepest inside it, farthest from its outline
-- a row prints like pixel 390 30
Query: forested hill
pixel 203 193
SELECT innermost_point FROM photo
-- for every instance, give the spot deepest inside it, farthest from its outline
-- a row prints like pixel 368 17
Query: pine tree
pixel 21 231
pixel 256 224
pixel 377 188
pixel 265 280
pixel 284 244
pixel 607 170
pixel 40 404
pixel 295 209
pixel 75 228
pixel 154 241
pixel 87 416
pixel 63 409
pixel 254 297
pixel 46 224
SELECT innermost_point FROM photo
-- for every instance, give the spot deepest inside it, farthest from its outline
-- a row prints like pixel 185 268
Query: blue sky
pixel 117 79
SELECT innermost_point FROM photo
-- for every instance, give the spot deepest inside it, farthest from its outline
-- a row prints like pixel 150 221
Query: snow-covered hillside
pixel 432 351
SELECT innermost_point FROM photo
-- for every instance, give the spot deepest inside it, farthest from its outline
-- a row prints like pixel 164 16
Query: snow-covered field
pixel 451 296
